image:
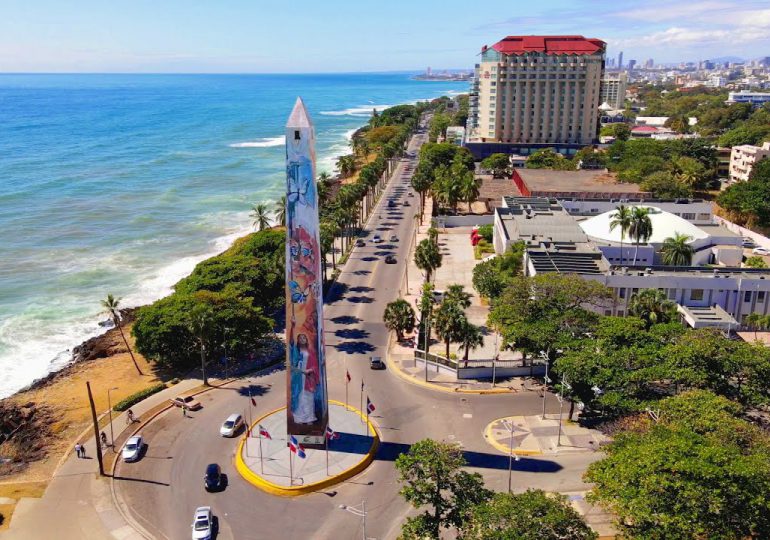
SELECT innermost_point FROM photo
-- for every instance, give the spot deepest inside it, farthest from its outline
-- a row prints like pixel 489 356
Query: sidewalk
pixel 78 502
pixel 534 435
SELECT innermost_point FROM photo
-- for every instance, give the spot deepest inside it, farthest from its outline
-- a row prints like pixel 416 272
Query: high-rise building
pixel 620 60
pixel 649 64
pixel 631 64
pixel 537 90
pixel 613 89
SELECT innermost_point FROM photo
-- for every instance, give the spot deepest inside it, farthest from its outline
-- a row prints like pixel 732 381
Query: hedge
pixel 136 397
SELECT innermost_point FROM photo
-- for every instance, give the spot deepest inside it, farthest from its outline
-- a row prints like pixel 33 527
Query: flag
pixel 254 402
pixel 331 434
pixel 347 375
pixel 369 406
pixel 264 433
pixel 295 447
pixel 362 385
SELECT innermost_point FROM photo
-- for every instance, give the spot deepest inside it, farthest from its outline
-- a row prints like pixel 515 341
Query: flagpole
pixel 367 419
pixel 362 395
pixel 251 421
pixel 261 455
pixel 327 453
pixel 291 470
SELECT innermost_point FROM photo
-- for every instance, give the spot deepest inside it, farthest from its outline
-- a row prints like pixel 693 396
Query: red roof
pixel 549 45
pixel 644 129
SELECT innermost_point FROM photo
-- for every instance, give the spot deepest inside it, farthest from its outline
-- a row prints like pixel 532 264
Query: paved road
pixel 162 490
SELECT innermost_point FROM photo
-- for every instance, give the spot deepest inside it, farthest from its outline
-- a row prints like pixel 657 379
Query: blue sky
pixel 333 35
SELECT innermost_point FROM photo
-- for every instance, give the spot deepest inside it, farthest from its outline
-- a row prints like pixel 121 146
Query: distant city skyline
pixel 336 36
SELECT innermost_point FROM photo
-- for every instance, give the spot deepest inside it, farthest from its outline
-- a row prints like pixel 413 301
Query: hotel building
pixel 532 92
pixel 744 157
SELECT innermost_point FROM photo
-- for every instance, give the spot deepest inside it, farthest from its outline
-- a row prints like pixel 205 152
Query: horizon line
pixel 396 71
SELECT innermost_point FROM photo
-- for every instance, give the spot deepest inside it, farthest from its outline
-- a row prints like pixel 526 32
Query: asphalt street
pixel 162 490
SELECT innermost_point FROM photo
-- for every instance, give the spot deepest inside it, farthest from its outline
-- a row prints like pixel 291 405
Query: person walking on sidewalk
pixel 130 417
pixel 184 411
pixel 83 451
pixel 78 450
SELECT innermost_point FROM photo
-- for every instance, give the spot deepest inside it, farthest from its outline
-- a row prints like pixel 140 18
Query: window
pixel 760 297
pixel 621 292
pixel 747 296
pixel 672 294
pixel 696 295
pixel 688 215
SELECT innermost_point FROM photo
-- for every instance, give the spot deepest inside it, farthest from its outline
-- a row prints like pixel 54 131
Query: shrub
pixel 136 397
pixel 485 231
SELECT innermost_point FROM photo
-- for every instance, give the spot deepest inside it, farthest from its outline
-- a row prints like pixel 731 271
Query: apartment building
pixel 613 89
pixel 744 157
pixel 757 99
pixel 537 91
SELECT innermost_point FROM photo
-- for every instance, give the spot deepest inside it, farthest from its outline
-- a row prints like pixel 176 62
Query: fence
pixel 478 369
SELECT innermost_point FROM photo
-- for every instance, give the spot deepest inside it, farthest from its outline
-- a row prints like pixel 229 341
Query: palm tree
pixel 346 165
pixel 470 188
pixel 111 306
pixel 322 187
pixel 677 251
pixel 641 227
pixel 456 293
pixel 621 218
pixel 470 339
pixel 755 322
pixel 653 306
pixel 260 216
pixel 427 257
pixel 449 322
pixel 280 211
pixel 399 317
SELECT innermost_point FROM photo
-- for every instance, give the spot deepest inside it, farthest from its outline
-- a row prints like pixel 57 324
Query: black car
pixel 390 259
pixel 375 362
pixel 391 204
pixel 212 481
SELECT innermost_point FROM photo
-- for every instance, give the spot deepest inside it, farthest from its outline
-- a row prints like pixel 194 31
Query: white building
pixel 556 241
pixel 745 96
pixel 744 157
pixel 613 89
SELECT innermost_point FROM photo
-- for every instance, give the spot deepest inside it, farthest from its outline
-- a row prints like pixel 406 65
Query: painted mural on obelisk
pixel 307 400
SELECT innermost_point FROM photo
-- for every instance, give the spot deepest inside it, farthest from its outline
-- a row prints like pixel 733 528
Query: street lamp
pixel 546 380
pixel 360 512
pixel 109 404
pixel 511 455
pixel 564 384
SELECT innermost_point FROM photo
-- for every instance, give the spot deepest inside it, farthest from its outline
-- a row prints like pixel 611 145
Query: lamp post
pixel 358 511
pixel 546 380
pixel 564 384
pixel 511 456
pixel 109 404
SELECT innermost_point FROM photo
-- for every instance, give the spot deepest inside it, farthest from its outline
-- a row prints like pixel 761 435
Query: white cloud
pixel 668 12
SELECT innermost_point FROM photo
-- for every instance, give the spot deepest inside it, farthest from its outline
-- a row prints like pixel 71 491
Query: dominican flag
pixel 295 447
pixel 347 375
pixel 254 402
pixel 264 433
pixel 331 434
pixel 369 406
pixel 362 385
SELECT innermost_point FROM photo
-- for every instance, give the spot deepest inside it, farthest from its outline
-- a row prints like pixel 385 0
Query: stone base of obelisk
pixel 271 466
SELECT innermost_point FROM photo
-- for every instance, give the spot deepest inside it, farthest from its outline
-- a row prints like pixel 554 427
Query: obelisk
pixel 307 399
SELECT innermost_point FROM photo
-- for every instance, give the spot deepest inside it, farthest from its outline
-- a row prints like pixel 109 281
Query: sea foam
pixel 265 142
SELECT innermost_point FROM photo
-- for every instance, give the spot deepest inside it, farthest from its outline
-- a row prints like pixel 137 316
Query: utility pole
pixel 109 404
pixel 96 429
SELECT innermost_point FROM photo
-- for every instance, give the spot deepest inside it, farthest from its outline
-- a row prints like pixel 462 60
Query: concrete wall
pixel 758 239
pixel 465 221
pixel 586 207
pixel 486 372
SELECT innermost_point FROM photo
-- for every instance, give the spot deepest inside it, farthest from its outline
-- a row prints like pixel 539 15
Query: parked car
pixel 390 259
pixel 231 426
pixel 203 524
pixel 406 203
pixel 393 238
pixel 438 296
pixel 410 194
pixel 375 362
pixel 212 480
pixel 188 402
pixel 360 242
pixel 391 204
pixel 748 242
pixel 132 450
pixel 376 239
pixel 760 251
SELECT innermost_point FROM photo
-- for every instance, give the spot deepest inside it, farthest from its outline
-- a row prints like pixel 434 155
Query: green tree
pixel 427 257
pixel 346 165
pixel 641 227
pixel 755 261
pixel 112 306
pixel 499 164
pixel 470 338
pixel 683 479
pixel 621 218
pixel 652 306
pixel 438 125
pixel 677 251
pixel 432 476
pixel 532 515
pixel 200 321
pixel 664 185
pixel 470 188
pixel 689 171
pixel 547 158
pixel 620 130
pixel 280 211
pixel 261 216
pixel 399 317
pixel 679 123
pixel 449 321
pixel 756 322
pixel 456 293
pixel 422 180
pixel 425 307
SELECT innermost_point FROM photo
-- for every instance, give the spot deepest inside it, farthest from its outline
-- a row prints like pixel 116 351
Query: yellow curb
pixel 293 491
pixel 433 386
pixel 501 447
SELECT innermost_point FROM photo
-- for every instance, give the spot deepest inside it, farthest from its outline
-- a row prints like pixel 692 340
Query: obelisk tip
pixel 299 117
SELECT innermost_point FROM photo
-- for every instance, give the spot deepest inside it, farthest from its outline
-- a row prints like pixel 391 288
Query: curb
pixel 505 449
pixel 285 491
pixel 435 387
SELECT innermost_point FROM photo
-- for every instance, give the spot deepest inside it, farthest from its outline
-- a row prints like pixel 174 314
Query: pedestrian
pixel 78 450
pixel 83 451
pixel 103 438
pixel 184 411
pixel 130 417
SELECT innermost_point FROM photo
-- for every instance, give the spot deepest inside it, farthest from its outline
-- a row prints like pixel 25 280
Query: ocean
pixel 122 183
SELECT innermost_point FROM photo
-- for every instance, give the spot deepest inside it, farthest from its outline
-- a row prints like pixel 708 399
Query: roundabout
pixel 264 457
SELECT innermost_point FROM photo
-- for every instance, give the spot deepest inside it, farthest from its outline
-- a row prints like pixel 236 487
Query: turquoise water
pixel 122 183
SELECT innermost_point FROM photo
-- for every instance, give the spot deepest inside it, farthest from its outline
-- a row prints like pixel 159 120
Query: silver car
pixel 202 525
pixel 231 425
pixel 133 448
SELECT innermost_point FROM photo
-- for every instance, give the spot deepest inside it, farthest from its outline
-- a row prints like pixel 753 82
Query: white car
pixel 376 239
pixel 231 425
pixel 760 251
pixel 202 525
pixel 133 448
